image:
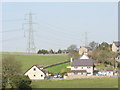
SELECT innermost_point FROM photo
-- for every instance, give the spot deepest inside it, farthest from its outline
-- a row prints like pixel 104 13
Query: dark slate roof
pixel 109 70
pixel 82 62
pixel 117 43
pixel 44 71
pixel 78 71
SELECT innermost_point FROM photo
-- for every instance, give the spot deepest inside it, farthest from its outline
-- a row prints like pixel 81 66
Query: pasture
pixel 77 83
pixel 28 61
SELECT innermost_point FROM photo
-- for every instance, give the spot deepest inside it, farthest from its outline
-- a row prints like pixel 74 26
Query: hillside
pixel 29 60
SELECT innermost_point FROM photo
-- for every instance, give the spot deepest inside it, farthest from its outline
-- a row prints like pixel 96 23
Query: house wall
pixel 89 70
pixel 109 73
pixel 115 48
pixel 35 74
pixel 83 50
pixel 84 73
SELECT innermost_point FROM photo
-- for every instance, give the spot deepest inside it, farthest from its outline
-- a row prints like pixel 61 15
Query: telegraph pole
pixel 31 44
pixel 86 39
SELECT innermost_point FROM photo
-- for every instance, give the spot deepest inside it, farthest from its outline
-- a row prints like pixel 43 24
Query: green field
pixel 28 61
pixel 77 83
pixel 59 68
pixel 103 67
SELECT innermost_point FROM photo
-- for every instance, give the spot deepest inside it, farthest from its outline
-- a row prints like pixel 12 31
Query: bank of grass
pixel 103 67
pixel 28 61
pixel 59 68
pixel 77 83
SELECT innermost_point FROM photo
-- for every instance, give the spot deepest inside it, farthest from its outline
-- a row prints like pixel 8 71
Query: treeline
pixel 100 53
pixel 103 54
pixel 43 51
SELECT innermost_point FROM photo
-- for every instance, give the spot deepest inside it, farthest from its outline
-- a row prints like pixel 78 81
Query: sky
pixel 57 25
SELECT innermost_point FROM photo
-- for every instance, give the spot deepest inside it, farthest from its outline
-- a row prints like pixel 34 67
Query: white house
pixel 82 66
pixel 109 72
pixel 36 72
pixel 116 46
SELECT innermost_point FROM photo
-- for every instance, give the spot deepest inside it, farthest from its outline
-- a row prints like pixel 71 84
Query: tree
pixel 73 52
pixel 93 45
pixel 59 51
pixel 105 46
pixel 51 51
pixel 103 55
pixel 10 67
pixel 21 82
pixel 43 51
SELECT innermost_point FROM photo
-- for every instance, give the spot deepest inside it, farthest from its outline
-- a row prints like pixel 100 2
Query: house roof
pixel 82 62
pixel 38 66
pixel 84 57
pixel 117 43
pixel 109 70
pixel 78 71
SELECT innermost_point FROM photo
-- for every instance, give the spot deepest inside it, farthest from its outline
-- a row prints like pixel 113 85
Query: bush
pixel 19 81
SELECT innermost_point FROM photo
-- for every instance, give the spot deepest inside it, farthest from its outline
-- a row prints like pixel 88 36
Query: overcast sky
pixel 58 25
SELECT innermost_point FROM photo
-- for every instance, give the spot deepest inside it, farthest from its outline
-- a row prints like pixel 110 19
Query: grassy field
pixel 28 60
pixel 103 67
pixel 77 83
pixel 59 68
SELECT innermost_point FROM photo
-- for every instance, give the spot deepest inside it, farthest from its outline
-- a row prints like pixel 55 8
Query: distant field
pixel 78 83
pixel 28 60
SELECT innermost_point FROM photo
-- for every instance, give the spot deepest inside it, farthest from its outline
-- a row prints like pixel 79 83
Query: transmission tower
pixel 31 44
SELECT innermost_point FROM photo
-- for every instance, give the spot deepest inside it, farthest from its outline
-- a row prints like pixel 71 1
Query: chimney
pixel 71 60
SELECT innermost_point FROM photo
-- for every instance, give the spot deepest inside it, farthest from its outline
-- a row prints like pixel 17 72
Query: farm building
pixel 106 72
pixel 36 72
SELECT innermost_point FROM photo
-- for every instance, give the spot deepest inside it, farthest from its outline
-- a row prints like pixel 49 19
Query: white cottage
pixel 36 72
pixel 82 66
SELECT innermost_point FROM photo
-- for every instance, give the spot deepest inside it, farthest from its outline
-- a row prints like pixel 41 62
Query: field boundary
pixel 56 64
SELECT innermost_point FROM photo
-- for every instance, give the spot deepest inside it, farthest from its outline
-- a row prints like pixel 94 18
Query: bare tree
pixel 10 67
pixel 93 45
pixel 73 51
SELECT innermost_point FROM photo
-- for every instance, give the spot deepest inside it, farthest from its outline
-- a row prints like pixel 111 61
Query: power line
pixel 6 31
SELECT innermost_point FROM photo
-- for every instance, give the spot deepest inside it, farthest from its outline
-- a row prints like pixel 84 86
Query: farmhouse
pixel 116 46
pixel 83 50
pixel 36 72
pixel 82 66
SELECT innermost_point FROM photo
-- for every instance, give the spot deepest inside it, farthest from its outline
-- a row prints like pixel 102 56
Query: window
pixel 41 75
pixel 34 75
pixel 34 69
pixel 89 73
pixel 88 67
pixel 75 73
pixel 75 67
pixel 118 50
